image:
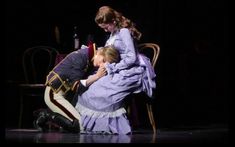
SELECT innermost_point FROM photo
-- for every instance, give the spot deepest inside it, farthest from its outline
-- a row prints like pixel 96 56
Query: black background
pixel 192 70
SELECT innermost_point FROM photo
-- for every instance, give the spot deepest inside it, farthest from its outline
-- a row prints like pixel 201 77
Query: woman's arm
pixel 129 57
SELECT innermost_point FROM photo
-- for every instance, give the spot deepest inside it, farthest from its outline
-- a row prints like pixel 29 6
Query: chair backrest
pixel 151 50
pixel 37 62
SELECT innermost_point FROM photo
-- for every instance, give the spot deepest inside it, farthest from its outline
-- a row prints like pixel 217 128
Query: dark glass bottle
pixel 76 39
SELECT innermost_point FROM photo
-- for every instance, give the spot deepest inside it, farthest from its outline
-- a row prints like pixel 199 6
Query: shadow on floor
pixel 212 134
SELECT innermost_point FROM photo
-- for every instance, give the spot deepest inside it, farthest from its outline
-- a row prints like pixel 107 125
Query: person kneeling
pixel 68 77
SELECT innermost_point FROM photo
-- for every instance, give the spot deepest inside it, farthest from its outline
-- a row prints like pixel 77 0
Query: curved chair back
pixel 151 50
pixel 147 48
pixel 37 62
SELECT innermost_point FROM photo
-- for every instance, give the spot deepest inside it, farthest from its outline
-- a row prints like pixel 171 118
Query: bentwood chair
pixel 152 51
pixel 37 62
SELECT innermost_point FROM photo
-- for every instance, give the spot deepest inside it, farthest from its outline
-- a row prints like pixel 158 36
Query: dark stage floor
pixel 215 134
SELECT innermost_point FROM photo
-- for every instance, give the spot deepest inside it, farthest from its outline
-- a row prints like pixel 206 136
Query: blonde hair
pixel 107 15
pixel 110 54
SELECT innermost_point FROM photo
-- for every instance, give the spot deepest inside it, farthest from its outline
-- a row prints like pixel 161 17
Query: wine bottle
pixel 76 38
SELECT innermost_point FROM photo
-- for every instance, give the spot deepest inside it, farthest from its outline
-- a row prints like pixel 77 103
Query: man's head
pixel 106 54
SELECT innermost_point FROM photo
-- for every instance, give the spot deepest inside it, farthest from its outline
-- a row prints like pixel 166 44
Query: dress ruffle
pixel 96 122
pixel 148 80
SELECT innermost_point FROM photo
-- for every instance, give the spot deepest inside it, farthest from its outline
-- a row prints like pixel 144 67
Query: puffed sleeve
pixel 129 58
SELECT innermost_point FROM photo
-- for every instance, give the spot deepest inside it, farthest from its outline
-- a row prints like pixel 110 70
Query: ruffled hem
pixel 95 122
pixel 99 114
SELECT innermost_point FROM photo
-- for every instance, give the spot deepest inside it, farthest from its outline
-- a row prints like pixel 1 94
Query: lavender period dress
pixel 101 106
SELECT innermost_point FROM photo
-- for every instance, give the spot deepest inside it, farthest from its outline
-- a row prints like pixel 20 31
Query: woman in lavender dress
pixel 101 106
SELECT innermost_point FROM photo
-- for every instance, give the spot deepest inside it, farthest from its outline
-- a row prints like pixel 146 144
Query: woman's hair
pixel 107 15
pixel 110 54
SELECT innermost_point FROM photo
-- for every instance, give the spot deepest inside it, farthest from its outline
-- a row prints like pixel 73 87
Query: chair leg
pixel 151 118
pixel 21 109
